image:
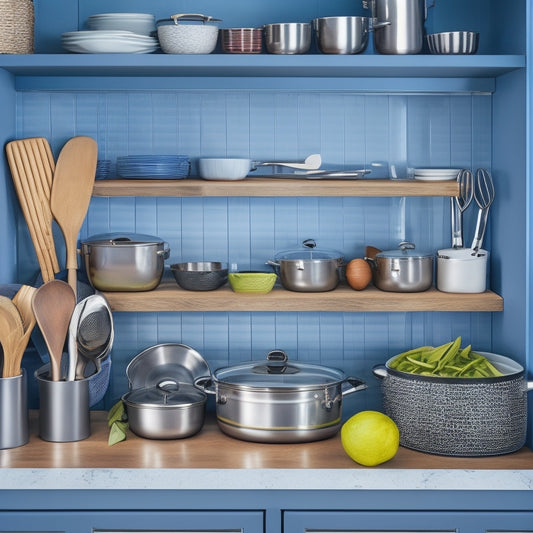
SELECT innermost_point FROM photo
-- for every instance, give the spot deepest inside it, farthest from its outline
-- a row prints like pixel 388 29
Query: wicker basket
pixel 16 26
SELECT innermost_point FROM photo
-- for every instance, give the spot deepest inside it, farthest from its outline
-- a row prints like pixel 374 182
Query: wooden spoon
pixel 53 304
pixel 71 193
pixel 23 301
pixel 11 331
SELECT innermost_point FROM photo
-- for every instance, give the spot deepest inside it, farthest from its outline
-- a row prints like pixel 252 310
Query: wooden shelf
pixel 275 187
pixel 169 297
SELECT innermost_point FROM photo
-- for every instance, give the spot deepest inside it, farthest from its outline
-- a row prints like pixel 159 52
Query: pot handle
pixel 380 371
pixel 165 253
pixel 272 263
pixel 529 386
pixel 355 385
pixel 205 384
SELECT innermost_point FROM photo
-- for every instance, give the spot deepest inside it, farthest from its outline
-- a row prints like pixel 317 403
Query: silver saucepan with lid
pixel 308 269
pixel 277 400
pixel 124 261
pixel 169 410
pixel 402 270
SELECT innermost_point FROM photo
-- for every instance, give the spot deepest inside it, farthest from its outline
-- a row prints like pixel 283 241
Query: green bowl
pixel 256 282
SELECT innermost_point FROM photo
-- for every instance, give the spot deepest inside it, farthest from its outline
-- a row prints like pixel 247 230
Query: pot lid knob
pixel 406 245
pixel 309 243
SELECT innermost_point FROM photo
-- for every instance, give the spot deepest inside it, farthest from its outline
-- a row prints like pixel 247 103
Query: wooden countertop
pixel 211 449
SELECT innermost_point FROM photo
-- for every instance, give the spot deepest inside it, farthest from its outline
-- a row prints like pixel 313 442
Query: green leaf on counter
pixel 117 412
pixel 117 432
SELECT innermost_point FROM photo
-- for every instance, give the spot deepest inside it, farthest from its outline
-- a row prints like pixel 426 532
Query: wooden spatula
pixel 32 165
pixel 71 193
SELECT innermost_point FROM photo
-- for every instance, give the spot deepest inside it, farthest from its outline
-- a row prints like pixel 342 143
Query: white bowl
pixel 224 168
pixel 187 38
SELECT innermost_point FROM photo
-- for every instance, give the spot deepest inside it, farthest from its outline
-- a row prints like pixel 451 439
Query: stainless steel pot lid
pixel 276 372
pixel 169 361
pixel 124 238
pixel 166 394
pixel 309 252
pixel 405 250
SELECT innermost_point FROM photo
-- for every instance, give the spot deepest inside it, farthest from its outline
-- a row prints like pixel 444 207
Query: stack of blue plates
pixel 103 167
pixel 153 166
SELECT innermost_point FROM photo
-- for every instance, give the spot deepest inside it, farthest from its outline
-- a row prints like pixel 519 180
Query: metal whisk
pixel 484 196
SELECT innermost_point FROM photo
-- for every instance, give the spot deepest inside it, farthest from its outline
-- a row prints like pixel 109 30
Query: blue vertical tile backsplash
pixel 387 134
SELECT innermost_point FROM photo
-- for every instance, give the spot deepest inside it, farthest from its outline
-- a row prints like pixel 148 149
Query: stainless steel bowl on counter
pixel 288 37
pixel 124 261
pixel 278 401
pixel 341 35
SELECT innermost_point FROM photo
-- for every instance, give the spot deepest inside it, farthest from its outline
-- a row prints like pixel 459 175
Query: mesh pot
pixel 463 417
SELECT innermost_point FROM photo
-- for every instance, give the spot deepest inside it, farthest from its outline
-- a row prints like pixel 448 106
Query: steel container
pixel 453 42
pixel 308 269
pixel 288 38
pixel 402 270
pixel 458 416
pixel 170 410
pixel 398 25
pixel 341 35
pixel 278 401
pixel 124 261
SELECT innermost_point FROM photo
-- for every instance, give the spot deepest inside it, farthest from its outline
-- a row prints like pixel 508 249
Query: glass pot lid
pixel 308 251
pixel 405 250
pixel 122 238
pixel 276 372
pixel 168 393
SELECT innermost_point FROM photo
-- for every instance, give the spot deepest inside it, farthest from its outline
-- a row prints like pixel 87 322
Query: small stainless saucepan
pixel 403 269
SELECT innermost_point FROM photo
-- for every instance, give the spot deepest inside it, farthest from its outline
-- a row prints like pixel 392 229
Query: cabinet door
pixel 132 522
pixel 408 522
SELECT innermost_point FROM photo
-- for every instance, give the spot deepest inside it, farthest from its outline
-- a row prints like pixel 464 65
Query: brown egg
pixel 358 274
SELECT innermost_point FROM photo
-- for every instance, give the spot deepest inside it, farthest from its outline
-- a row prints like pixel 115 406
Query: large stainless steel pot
pixel 458 416
pixel 402 270
pixel 279 401
pixel 124 261
pixel 170 410
pixel 398 25
pixel 308 269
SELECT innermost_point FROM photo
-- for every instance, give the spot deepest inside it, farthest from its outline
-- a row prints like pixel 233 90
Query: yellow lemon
pixel 370 438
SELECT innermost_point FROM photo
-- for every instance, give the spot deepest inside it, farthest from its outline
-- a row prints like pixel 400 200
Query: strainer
pixel 95 333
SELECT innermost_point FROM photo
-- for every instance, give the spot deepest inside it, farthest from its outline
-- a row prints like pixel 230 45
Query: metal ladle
pixel 484 196
pixel 459 204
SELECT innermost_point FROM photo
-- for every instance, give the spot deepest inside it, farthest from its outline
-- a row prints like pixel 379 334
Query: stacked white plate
pixel 140 23
pixel 153 166
pixel 108 42
pixel 436 174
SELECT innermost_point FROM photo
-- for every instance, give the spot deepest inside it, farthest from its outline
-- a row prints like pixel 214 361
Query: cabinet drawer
pixel 407 522
pixel 132 522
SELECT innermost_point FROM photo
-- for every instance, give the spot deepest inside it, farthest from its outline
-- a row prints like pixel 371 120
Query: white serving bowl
pixel 224 168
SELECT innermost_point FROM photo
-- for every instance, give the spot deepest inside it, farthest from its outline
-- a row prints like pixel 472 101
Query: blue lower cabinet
pixel 408 521
pixel 132 522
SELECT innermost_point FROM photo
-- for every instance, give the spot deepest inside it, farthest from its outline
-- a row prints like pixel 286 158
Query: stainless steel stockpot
pixel 403 269
pixel 124 261
pixel 170 410
pixel 308 269
pixel 278 401
pixel 458 416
